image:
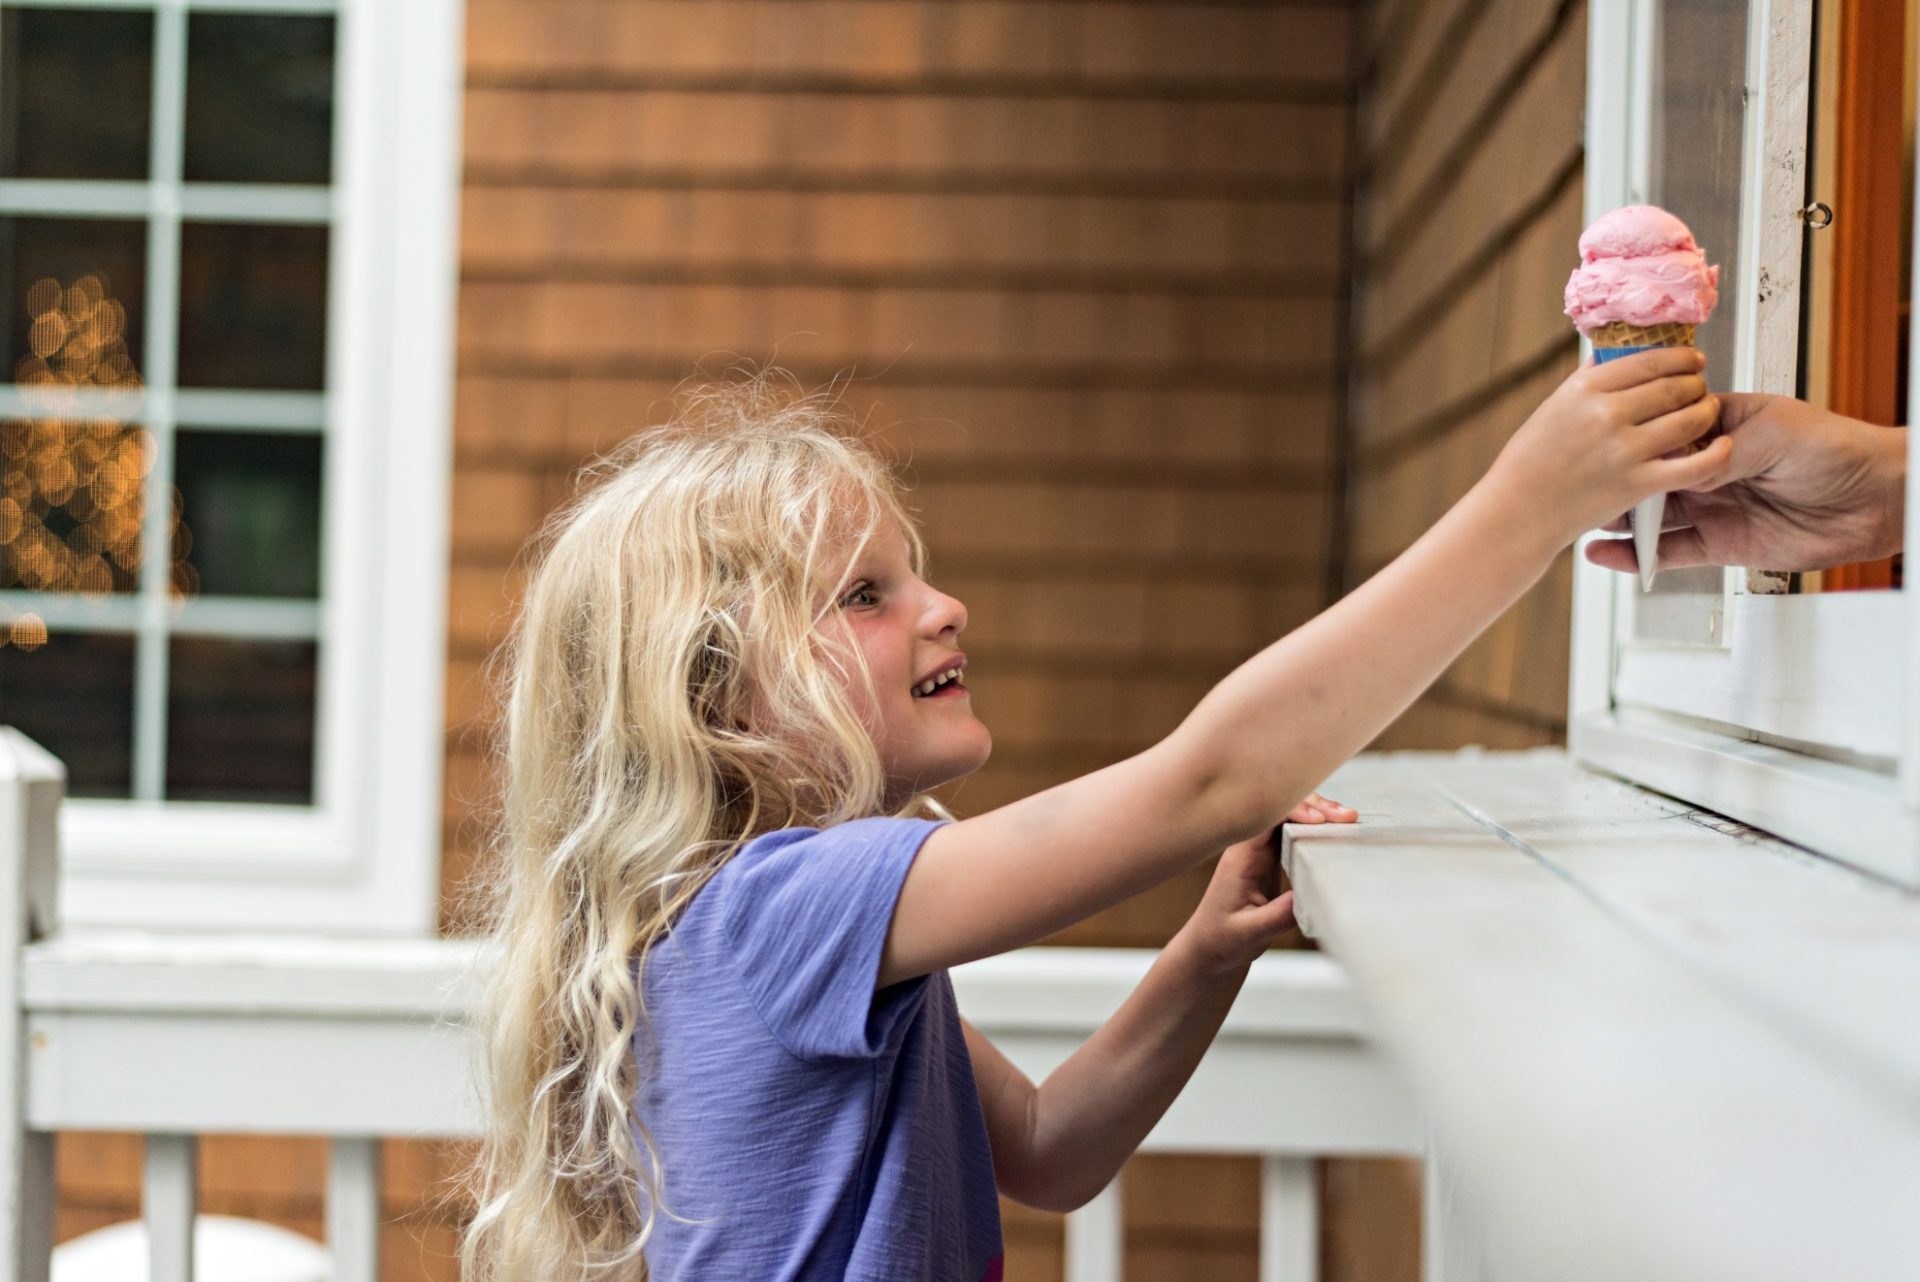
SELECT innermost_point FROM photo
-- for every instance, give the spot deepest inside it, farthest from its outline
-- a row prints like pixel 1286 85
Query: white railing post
pixel 1096 1237
pixel 353 1209
pixel 1452 1245
pixel 31 783
pixel 1289 1220
pixel 169 1199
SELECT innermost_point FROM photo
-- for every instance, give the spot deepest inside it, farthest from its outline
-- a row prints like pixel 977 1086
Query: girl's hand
pixel 1243 911
pixel 1600 443
pixel 1317 809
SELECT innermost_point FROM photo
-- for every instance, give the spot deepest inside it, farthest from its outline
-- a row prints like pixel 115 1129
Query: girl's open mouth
pixel 945 685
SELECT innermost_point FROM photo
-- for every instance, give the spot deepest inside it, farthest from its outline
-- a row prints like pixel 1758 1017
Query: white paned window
pixel 1789 712
pixel 226 285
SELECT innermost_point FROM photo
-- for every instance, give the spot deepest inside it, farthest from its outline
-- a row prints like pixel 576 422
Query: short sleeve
pixel 804 913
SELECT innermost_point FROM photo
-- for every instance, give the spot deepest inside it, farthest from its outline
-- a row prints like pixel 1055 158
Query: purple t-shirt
pixel 817 1129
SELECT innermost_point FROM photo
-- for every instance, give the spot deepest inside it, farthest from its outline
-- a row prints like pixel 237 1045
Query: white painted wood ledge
pixel 1651 1045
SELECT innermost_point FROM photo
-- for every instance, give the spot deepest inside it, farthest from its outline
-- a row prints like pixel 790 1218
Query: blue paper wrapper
pixel 1601 355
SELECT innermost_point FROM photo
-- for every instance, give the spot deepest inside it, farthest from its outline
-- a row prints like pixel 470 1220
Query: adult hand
pixel 1803 489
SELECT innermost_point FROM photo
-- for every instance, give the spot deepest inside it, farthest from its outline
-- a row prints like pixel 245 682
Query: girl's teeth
pixel 927 688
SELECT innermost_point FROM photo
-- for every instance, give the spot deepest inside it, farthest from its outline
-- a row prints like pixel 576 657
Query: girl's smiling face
pixel 918 709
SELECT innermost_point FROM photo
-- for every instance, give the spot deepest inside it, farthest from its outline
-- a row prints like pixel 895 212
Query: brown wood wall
pixel 1468 210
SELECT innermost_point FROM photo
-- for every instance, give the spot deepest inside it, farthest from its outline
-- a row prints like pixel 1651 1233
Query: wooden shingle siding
pixel 1466 215
pixel 1078 265
pixel 916 45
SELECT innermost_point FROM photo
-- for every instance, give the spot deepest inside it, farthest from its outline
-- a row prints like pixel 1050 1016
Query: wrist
pixel 1517 517
pixel 1888 448
pixel 1199 960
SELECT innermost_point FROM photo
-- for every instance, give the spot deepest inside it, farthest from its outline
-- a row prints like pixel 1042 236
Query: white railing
pixel 177 1037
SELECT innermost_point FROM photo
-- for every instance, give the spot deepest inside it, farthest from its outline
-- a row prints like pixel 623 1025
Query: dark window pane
pixel 73 694
pixel 253 306
pixel 71 499
pixel 251 509
pixel 259 98
pixel 76 87
pixel 240 720
pixel 73 266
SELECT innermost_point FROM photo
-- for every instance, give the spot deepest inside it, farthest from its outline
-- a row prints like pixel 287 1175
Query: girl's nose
pixel 946 615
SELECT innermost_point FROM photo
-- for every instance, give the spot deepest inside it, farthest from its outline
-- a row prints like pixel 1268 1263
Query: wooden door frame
pixel 1865 348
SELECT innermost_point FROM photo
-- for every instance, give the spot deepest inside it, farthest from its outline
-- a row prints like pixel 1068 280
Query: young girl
pixel 723 1044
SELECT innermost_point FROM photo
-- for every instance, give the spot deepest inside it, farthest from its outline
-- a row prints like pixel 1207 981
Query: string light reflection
pixel 72 483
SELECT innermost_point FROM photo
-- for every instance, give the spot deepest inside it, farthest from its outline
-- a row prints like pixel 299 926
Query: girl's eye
pixel 862 595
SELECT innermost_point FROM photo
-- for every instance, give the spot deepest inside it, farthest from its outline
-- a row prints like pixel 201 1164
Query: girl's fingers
pixel 1643 367
pixel 1317 809
pixel 1662 396
pixel 1698 471
pixel 1279 912
pixel 1679 429
pixel 1334 810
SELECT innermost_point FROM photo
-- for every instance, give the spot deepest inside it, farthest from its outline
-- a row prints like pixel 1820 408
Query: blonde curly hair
pixel 667 699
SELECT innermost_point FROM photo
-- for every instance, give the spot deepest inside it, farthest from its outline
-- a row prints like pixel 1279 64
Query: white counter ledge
pixel 1651 1045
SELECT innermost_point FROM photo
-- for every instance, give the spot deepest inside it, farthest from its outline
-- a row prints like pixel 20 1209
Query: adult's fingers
pixel 1737 407
pixel 1643 367
pixel 1678 550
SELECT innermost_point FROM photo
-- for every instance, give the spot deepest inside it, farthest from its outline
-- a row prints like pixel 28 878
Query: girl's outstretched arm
pixel 1281 723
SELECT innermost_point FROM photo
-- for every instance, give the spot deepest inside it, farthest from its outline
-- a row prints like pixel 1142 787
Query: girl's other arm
pixel 1280 723
pixel 1057 1145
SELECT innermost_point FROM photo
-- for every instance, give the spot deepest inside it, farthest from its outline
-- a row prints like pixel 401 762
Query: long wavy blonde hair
pixel 668 697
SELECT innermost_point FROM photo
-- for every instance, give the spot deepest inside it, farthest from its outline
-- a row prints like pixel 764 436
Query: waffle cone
pixel 1621 334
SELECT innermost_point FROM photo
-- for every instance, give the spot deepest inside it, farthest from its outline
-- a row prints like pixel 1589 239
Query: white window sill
pixel 1655 1044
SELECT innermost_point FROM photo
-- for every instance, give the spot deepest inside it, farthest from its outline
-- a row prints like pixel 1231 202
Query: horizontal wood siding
pixel 1467 213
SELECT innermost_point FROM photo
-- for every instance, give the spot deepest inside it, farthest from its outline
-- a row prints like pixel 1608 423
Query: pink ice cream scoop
pixel 1640 266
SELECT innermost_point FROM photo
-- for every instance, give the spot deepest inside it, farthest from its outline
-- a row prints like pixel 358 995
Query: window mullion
pixel 165 161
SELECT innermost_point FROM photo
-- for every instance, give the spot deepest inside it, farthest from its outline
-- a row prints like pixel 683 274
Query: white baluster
pixel 1096 1238
pixel 168 1203
pixel 353 1209
pixel 1289 1220
pixel 31 783
pixel 1451 1244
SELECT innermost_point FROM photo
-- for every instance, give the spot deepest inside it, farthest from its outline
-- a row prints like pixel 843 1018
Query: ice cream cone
pixel 1610 343
pixel 1617 339
pixel 1643 282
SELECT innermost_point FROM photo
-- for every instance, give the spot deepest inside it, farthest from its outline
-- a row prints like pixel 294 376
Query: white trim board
pixel 1652 1048
pixel 291 1035
pixel 1765 683
pixel 365 857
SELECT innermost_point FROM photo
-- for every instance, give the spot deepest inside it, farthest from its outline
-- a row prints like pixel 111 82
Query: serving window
pixel 1781 700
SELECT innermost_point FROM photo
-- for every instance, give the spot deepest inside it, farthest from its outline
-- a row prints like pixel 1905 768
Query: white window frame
pixel 365 857
pixel 1797 715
